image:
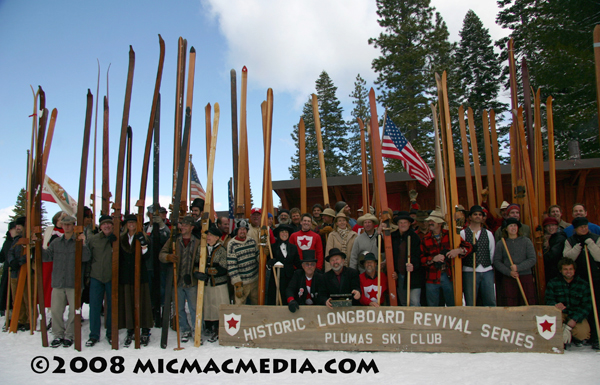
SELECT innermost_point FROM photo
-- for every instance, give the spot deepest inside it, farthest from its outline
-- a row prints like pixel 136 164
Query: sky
pixel 285 46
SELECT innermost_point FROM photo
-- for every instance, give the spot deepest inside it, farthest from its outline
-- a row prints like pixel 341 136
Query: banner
pixel 531 329
pixel 53 192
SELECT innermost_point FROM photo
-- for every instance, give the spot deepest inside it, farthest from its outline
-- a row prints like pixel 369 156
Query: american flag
pixel 196 190
pixel 231 208
pixel 396 146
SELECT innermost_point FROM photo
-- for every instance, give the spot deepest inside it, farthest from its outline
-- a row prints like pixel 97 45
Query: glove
pixel 567 334
pixel 157 220
pixel 112 238
pixel 187 279
pixel 293 306
pixel 413 195
pixel 271 262
pixel 239 290
pixel 326 230
pixel 141 238
pixel 211 271
pixel 200 276
pixel 14 264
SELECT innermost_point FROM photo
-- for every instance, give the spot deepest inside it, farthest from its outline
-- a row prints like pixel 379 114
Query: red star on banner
pixel 232 323
pixel 546 326
pixel 372 293
pixel 303 241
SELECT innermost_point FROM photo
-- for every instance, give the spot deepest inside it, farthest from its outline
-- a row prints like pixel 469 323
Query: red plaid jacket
pixel 430 248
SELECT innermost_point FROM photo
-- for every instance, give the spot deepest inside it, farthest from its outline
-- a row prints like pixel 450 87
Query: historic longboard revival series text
pixel 453 329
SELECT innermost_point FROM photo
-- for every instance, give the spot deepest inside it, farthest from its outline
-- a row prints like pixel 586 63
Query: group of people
pixel 325 258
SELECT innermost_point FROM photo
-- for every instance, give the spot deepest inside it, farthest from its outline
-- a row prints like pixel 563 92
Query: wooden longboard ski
pixel 382 191
pixel 317 119
pixel 205 224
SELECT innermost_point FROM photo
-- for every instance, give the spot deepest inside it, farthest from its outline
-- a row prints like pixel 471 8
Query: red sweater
pixel 308 240
pixel 368 288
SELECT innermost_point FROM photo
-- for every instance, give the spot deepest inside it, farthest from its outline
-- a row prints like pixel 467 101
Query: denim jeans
pixel 433 291
pixel 415 293
pixel 485 287
pixel 190 294
pixel 97 291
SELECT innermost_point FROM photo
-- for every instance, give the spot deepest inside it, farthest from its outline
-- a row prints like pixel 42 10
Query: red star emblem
pixel 546 326
pixel 304 242
pixel 372 293
pixel 232 323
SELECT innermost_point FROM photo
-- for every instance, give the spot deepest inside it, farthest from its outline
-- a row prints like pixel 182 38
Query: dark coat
pixel 127 262
pixel 298 285
pixel 417 277
pixel 350 281
pixel 556 245
pixel 290 264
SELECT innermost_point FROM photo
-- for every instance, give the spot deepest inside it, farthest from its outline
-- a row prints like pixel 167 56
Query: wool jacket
pixel 430 247
pixel 401 241
pixel 101 257
pixel 217 259
pixel 62 253
pixel 349 281
pixel 189 258
pixel 363 243
pixel 575 296
pixel 335 240
pixel 309 240
pixel 522 254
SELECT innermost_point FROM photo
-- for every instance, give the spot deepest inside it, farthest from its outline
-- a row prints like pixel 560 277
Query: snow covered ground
pixel 18 351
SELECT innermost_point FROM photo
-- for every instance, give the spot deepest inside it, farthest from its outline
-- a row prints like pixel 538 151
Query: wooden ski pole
pixel 465 151
pixel 518 279
pixel 595 308
pixel 317 119
pixel 408 275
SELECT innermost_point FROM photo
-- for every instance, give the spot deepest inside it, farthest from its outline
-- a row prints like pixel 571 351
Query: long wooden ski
pixel 466 158
pixel 475 151
pixel 302 153
pixel 118 202
pixel 234 135
pixel 317 119
pixel 141 203
pixel 80 217
pixel 597 67
pixel 382 198
pixel 205 224
pixel 265 242
pixel 496 158
pixel 363 161
pixel 551 159
pixel 487 145
pixel 188 104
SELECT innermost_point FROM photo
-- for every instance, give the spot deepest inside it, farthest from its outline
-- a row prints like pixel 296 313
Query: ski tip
pixel 244 69
pixel 232 72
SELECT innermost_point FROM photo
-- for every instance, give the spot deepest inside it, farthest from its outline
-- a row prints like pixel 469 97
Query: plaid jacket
pixel 575 296
pixel 430 248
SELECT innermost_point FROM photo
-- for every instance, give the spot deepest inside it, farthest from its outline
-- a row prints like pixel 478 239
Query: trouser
pixel 513 293
pixel 97 291
pixel 250 293
pixel 433 291
pixel 485 287
pixel 60 299
pixel 582 329
pixel 190 294
pixel 415 293
pixel 24 312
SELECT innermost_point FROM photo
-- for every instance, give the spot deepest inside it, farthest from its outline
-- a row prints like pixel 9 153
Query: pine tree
pixel 555 37
pixel 413 46
pixel 360 100
pixel 333 134
pixel 20 209
pixel 479 72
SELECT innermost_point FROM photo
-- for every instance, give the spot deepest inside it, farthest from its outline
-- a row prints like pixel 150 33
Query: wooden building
pixel 576 181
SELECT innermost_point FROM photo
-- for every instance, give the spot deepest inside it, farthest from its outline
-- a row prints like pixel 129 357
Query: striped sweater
pixel 242 260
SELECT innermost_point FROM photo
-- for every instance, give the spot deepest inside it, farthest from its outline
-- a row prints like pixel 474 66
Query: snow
pixel 578 365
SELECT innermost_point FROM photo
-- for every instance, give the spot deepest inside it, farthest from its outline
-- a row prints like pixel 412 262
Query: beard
pixel 285 222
